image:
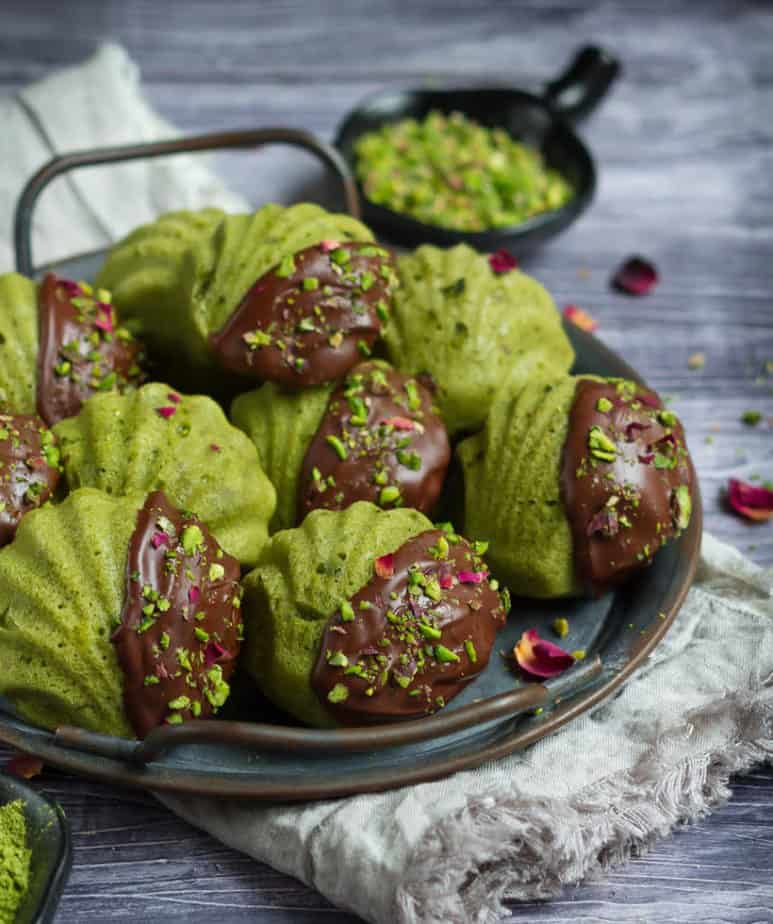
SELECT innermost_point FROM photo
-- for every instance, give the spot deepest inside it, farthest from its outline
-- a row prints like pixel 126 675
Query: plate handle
pixel 582 86
pixel 279 738
pixel 250 138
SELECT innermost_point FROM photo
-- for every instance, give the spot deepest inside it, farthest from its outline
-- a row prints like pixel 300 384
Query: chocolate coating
pixel 181 624
pixel 622 509
pixel 82 350
pixel 29 469
pixel 286 331
pixel 384 423
pixel 409 647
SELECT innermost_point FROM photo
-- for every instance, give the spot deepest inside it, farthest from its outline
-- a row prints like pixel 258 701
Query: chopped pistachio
pixel 339 694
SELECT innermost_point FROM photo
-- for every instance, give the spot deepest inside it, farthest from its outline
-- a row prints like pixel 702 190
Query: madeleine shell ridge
pixel 303 575
pixel 156 439
pixel 18 343
pixel 281 424
pixel 512 492
pixel 472 330
pixel 62 583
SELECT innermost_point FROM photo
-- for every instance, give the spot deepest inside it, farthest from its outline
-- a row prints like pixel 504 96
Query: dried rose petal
pixel 158 539
pixel 174 397
pixel 446 581
pixel 328 246
pixel 215 447
pixel 540 658
pixel 647 458
pixel 215 653
pixel 385 565
pixel 400 423
pixel 194 595
pixel 633 427
pixel 472 577
pixel 502 261
pixel 24 766
pixel 604 523
pixel 72 288
pixel 636 276
pixel 167 411
pixel 751 501
pixel 580 318
pixel 647 397
pixel 104 319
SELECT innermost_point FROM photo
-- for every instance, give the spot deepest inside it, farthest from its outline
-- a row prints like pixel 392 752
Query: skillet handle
pixel 580 88
pixel 216 141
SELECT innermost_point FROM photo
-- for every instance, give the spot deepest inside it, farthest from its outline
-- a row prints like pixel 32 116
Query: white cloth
pixel 610 783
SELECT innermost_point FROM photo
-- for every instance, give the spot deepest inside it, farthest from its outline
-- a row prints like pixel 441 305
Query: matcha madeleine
pixel 119 615
pixel 363 615
pixel 292 295
pixel 577 482
pixel 375 437
pixel 472 326
pixel 60 343
pixel 155 438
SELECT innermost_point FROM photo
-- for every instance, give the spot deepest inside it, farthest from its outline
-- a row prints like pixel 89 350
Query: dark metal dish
pixel 48 837
pixel 498 714
pixel 542 121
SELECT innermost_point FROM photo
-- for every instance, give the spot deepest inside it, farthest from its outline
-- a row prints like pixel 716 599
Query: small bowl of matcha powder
pixel 450 171
pixel 15 858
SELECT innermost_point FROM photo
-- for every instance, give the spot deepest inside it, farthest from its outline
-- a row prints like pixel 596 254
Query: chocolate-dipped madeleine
pixel 375 437
pixel 362 616
pixel 292 295
pixel 121 614
pixel 577 482
pixel 60 343
pixel 29 469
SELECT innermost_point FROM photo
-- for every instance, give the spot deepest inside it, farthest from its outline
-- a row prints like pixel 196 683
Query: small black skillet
pixel 543 121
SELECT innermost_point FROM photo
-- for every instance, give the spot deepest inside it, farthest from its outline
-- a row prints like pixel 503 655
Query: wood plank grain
pixel 685 147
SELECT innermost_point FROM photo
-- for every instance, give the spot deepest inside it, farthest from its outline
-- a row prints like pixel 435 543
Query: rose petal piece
pixel 751 501
pixel 636 276
pixel 502 261
pixel 24 766
pixel 167 411
pixel 104 319
pixel 174 397
pixel 328 246
pixel 215 447
pixel 446 581
pixel 400 423
pixel 580 318
pixel 472 577
pixel 214 653
pixel 385 566
pixel 540 658
pixel 194 594
pixel 158 539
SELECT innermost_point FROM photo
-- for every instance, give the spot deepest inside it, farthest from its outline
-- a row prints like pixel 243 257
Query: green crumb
pixel 14 860
pixel 453 172
pixel 560 626
pixel 339 694
pixel 751 418
pixel 604 405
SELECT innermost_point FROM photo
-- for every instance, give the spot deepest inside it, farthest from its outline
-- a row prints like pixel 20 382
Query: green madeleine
pixel 303 576
pixel 123 444
pixel 281 424
pixel 512 496
pixel 473 330
pixel 18 342
pixel 62 583
pixel 180 278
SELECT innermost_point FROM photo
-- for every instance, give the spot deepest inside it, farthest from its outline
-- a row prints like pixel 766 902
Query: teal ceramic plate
pixel 48 837
pixel 282 761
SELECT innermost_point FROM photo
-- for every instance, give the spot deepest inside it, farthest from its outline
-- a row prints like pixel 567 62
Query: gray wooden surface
pixel 685 155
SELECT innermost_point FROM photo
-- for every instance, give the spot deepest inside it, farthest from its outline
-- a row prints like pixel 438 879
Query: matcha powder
pixel 14 860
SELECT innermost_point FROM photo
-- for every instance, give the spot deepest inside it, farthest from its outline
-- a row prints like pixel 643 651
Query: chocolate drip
pixel 413 637
pixel 380 440
pixel 29 469
pixel 181 625
pixel 310 319
pixel 626 480
pixel 82 350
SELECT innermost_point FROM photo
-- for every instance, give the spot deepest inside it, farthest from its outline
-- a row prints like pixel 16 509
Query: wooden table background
pixel 686 160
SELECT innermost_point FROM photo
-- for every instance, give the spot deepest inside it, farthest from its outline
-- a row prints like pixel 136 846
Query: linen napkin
pixel 608 785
